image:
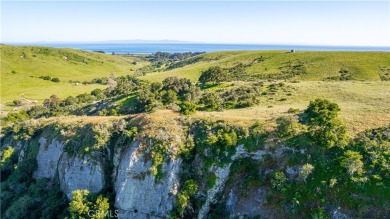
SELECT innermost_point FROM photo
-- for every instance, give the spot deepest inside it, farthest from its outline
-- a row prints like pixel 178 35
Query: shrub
pixel 79 206
pixel 16 117
pixel 211 100
pixel 5 155
pixel 352 162
pixel 55 80
pixel 278 180
pixel 293 111
pixel 17 102
pixel 48 78
pixel 256 138
pixel 70 101
pixel 211 180
pixel 189 189
pixel 305 171
pixel 187 108
pixel 37 111
pixel 288 126
pixel 25 170
pixel 102 133
pixel 85 98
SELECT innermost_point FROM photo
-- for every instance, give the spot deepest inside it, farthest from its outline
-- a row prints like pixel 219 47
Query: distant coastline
pixel 172 47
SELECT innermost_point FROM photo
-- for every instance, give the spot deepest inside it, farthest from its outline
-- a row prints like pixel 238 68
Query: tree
pixel 155 87
pixel 98 93
pixel 53 101
pixel 146 100
pixel 324 125
pixel 168 97
pixel 122 85
pixel 214 75
pixel 192 94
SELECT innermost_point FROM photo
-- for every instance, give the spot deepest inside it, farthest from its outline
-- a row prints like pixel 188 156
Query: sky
pixel 347 23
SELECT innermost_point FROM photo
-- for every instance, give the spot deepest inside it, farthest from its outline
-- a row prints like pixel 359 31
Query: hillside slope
pixel 21 67
pixel 268 64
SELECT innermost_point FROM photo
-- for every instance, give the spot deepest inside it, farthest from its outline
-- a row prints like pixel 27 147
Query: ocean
pixel 148 48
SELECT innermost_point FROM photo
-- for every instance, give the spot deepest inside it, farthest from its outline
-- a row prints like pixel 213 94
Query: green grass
pixel 318 65
pixel 364 104
pixel 21 67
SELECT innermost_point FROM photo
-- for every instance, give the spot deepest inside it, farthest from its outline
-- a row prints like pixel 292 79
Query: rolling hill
pixel 315 66
pixel 21 67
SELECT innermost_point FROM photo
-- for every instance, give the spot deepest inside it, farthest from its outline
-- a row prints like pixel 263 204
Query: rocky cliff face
pixel 156 166
pixel 48 158
pixel 138 193
pixel 73 172
pixel 80 173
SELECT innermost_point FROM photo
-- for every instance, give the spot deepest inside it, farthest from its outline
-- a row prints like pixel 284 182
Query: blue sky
pixel 362 23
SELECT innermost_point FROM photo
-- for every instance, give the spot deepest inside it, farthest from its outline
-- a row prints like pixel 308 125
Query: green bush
pixel 278 180
pixel 15 117
pixel 214 75
pixel 70 101
pixel 211 101
pixel 288 126
pixel 188 190
pixel 85 98
pixel 324 125
pixel 83 205
pixel 256 138
pixel 98 93
pixel 48 78
pixel 187 108
pixel 168 97
pixel 17 102
pixel 55 80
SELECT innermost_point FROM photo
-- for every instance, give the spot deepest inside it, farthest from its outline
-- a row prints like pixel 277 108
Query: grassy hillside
pixel 364 105
pixel 363 93
pixel 315 65
pixel 21 67
pixel 364 97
